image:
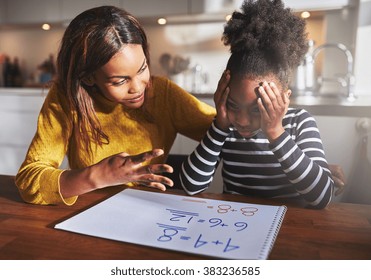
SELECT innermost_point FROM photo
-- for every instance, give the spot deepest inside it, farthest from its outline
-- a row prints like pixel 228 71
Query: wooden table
pixel 341 231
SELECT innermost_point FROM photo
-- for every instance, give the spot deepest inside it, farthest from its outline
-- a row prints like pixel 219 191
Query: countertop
pixel 316 105
pixel 325 105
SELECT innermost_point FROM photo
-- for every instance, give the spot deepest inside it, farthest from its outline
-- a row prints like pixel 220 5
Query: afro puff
pixel 265 38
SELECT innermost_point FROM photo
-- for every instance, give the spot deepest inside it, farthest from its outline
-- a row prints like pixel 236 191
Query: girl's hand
pixel 123 168
pixel 220 100
pixel 273 105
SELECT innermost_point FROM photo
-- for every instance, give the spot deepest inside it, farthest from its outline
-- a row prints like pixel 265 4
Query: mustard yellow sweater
pixel 173 109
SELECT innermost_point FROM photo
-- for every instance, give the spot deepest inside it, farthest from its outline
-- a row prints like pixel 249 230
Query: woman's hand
pixel 123 168
pixel 116 170
pixel 220 100
pixel 273 105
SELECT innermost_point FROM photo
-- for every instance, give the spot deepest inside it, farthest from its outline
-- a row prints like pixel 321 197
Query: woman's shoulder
pixel 53 95
pixel 56 99
pixel 158 81
pixel 163 83
pixel 164 86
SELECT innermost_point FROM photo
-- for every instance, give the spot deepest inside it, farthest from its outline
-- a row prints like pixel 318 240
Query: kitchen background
pixel 189 50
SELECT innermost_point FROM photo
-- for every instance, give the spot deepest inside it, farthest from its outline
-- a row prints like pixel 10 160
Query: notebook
pixel 215 228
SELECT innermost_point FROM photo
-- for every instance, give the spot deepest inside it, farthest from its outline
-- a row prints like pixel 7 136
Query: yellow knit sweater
pixel 173 110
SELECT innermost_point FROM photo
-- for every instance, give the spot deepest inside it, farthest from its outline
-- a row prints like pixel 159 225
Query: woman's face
pixel 125 77
pixel 242 106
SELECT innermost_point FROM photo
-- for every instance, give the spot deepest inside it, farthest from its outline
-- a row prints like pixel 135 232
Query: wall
pixel 201 42
pixel 31 45
pixel 363 47
pixel 341 141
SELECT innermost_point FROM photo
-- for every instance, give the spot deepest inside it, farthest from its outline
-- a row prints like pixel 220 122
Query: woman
pixel 114 121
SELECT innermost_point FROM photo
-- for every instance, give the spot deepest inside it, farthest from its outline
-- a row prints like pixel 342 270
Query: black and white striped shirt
pixel 293 166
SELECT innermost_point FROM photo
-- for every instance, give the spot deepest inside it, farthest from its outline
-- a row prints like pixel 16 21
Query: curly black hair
pixel 265 38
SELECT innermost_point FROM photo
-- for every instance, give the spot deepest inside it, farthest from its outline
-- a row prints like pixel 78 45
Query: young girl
pixel 106 113
pixel 267 148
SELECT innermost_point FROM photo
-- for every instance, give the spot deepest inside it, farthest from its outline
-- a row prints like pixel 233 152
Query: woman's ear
pixel 89 81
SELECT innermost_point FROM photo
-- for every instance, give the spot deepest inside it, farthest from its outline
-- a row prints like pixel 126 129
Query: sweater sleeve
pixel 304 163
pixel 199 168
pixel 38 177
pixel 190 116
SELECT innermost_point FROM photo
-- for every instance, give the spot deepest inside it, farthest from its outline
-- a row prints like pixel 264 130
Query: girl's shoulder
pixel 297 113
pixel 296 117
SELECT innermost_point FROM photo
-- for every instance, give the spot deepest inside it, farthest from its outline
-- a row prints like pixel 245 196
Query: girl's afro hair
pixel 268 28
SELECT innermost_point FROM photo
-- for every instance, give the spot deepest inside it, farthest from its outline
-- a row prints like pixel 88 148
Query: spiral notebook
pixel 215 228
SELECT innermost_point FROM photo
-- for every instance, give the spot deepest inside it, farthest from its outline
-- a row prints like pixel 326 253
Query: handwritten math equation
pixel 178 223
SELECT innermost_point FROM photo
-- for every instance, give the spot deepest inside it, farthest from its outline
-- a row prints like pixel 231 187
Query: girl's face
pixel 125 77
pixel 242 106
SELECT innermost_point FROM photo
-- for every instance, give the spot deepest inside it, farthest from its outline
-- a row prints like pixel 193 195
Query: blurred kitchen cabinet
pixel 214 6
pixel 2 12
pixel 19 109
pixel 31 11
pixel 228 6
pixel 145 8
pixel 319 5
pixel 71 8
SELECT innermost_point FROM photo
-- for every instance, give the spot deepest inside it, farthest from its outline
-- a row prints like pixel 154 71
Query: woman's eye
pixel 143 69
pixel 119 83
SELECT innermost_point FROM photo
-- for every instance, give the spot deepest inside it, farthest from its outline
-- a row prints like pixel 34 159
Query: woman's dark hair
pixel 265 38
pixel 89 42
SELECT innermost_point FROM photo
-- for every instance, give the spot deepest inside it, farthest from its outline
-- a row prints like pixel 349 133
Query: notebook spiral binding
pixel 272 233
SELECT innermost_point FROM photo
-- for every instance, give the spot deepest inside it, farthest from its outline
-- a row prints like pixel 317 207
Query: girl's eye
pixel 232 106
pixel 255 110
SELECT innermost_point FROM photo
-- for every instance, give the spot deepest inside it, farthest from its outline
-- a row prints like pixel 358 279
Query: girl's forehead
pixel 243 86
pixel 252 83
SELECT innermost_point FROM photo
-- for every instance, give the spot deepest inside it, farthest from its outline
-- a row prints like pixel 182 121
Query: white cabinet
pixel 319 4
pixel 223 6
pixel 214 6
pixel 19 110
pixel 39 11
pixel 69 9
pixel 32 11
pixel 145 8
pixel 2 12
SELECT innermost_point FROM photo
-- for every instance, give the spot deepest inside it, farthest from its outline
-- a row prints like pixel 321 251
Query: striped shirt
pixel 293 166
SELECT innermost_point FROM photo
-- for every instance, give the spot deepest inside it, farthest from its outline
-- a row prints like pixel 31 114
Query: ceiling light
pixel 45 26
pixel 305 14
pixel 161 21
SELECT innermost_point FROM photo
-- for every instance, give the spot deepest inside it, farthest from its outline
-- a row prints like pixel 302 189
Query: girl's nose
pixel 242 119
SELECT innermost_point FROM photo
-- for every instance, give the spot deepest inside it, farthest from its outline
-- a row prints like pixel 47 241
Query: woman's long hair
pixel 89 42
